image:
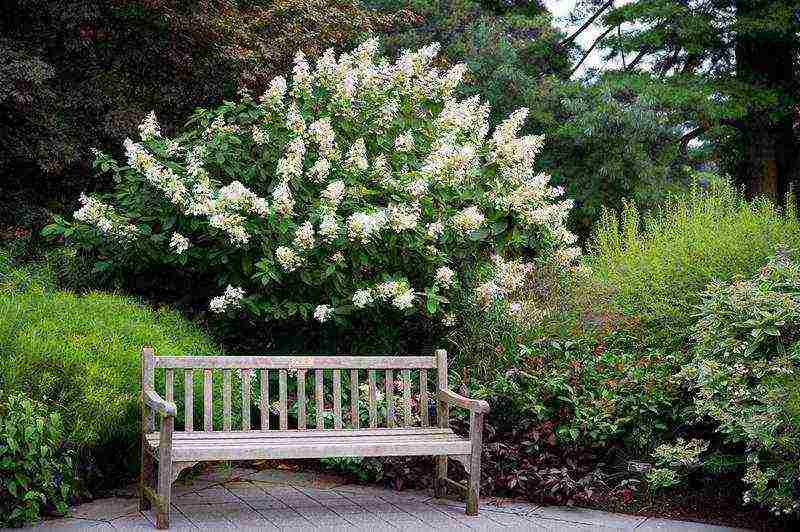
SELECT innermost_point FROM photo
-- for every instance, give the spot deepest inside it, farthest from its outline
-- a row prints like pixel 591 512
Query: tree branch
pixel 589 51
pixel 684 143
pixel 699 130
pixel 638 58
pixel 585 25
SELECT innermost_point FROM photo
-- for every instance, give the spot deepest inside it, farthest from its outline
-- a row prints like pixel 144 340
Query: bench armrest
pixel 154 401
pixel 473 405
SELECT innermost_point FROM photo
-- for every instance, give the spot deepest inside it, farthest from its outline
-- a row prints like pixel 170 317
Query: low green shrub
pixel 745 379
pixel 36 473
pixel 660 262
pixel 80 354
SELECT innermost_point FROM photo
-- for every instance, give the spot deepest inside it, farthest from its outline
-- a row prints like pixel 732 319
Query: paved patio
pixel 283 500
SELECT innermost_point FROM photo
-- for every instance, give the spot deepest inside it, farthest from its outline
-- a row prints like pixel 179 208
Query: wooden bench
pixel 177 450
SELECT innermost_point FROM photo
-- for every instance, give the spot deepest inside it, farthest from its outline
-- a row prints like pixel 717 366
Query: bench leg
pixel 164 494
pixel 440 487
pixel 146 476
pixel 476 436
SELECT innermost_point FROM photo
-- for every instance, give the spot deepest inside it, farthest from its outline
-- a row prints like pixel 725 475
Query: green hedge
pixel 659 263
pixel 80 353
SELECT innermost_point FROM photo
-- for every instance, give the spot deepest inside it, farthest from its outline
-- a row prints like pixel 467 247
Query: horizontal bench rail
pixel 296 362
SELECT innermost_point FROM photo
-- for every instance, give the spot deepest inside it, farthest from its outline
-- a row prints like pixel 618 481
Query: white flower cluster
pixel 322 132
pixel 402 217
pixel 274 95
pixel 178 243
pixel 364 227
pixel 304 236
pixel 404 142
pixel 260 137
pixel 445 276
pixel 95 212
pixel 333 194
pixel 158 175
pixel 509 277
pixel 399 293
pixel 468 220
pixel 329 228
pixel 323 313
pixel 357 156
pixel 288 259
pixel 219 127
pixel 237 197
pixel 149 127
pixel 232 298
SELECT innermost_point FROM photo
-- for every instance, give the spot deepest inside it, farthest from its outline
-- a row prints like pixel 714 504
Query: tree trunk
pixel 764 60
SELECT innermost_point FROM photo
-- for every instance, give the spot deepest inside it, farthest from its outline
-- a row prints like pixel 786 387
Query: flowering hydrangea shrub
pixel 745 377
pixel 357 185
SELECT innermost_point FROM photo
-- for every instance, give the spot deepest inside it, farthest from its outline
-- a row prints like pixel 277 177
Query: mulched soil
pixel 717 502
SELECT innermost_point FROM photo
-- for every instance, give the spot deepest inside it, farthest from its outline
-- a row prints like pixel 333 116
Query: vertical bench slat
pixel 264 402
pixel 245 399
pixel 354 392
pixel 390 414
pixel 301 399
pixel 188 392
pixel 373 398
pixel 283 400
pixel 318 383
pixel 443 419
pixel 407 397
pixel 423 398
pixel 442 409
pixel 337 399
pixel 169 385
pixel 208 405
pixel 148 381
pixel 226 400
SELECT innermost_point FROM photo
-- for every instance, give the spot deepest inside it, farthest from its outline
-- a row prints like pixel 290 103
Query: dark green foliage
pixel 80 74
pixel 36 474
pixel 731 68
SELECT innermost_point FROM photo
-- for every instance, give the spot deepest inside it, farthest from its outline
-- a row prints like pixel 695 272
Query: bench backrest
pixel 397 392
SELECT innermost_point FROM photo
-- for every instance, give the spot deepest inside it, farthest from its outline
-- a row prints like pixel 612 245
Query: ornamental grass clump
pixel 359 185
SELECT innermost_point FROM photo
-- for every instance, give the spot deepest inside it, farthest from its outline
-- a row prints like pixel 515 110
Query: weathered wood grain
pixel 354 394
pixel 423 398
pixel 245 399
pixel 264 399
pixel 208 401
pixel 296 362
pixel 226 399
pixel 319 397
pixel 337 399
pixel 373 399
pixel 390 408
pixel 188 400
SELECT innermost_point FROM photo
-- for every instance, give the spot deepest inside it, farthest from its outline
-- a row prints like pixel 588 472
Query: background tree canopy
pixel 685 83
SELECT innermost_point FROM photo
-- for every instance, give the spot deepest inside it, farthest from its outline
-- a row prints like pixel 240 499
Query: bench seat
pixel 288 444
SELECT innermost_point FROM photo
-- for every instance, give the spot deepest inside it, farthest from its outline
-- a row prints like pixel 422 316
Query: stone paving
pixel 234 498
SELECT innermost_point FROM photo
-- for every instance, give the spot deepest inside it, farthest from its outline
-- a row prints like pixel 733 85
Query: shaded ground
pixel 287 500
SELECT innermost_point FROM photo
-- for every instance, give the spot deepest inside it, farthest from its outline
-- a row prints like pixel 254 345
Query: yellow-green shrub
pixel 79 354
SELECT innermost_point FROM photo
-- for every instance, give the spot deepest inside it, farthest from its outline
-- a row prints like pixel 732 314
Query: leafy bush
pixel 80 354
pixel 745 377
pixel 67 68
pixel 659 266
pixel 384 194
pixel 35 466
